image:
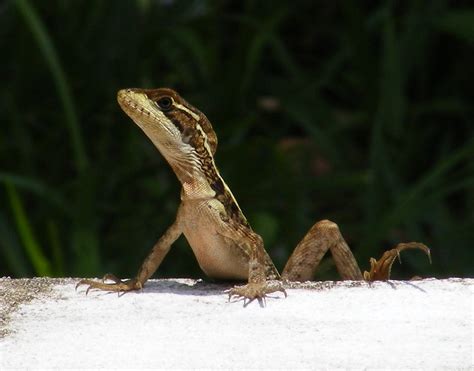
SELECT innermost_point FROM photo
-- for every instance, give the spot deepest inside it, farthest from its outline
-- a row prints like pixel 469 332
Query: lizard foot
pixel 118 285
pixel 380 269
pixel 254 290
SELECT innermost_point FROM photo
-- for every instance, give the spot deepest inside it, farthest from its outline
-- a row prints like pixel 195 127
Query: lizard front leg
pixel 149 265
pixel 323 236
pixel 258 286
pixel 263 278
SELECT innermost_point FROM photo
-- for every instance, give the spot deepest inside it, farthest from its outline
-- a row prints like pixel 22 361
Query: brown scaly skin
pixel 380 269
pixel 222 240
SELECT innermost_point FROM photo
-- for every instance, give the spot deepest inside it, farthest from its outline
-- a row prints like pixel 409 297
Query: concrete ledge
pixel 181 323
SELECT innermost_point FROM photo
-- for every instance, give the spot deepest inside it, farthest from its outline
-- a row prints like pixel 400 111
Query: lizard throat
pixel 185 138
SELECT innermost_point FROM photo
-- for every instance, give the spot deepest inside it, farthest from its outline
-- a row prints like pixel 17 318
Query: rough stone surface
pixel 180 323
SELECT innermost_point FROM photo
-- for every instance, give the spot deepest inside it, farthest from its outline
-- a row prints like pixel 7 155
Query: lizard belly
pixel 218 256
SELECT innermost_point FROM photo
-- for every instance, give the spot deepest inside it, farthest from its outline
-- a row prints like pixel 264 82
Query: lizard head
pixel 182 133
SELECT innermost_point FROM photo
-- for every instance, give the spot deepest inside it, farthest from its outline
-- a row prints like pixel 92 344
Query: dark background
pixel 355 111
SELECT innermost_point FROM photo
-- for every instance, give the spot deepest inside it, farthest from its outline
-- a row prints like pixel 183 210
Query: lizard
pixel 210 218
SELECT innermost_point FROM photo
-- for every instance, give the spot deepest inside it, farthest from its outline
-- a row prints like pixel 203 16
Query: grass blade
pixel 11 249
pixel 37 188
pixel 52 61
pixel 57 249
pixel 411 199
pixel 33 249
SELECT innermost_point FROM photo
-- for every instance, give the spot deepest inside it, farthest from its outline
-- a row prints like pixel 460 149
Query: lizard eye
pixel 165 103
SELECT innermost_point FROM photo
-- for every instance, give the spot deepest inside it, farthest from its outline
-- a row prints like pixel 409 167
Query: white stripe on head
pixel 185 109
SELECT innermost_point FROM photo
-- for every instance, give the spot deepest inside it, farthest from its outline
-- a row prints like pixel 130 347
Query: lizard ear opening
pixel 186 135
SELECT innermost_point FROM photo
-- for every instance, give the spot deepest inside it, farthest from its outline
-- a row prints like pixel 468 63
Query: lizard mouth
pixel 141 109
pixel 126 98
pixel 137 104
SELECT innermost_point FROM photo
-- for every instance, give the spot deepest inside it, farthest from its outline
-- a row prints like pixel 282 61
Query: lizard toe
pixel 253 290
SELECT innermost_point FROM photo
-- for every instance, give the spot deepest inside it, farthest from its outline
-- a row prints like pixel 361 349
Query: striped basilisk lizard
pixel 210 218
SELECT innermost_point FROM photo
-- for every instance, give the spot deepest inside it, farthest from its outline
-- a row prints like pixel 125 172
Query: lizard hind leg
pixel 323 236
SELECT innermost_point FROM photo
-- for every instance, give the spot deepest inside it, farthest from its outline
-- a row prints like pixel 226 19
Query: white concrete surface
pixel 183 324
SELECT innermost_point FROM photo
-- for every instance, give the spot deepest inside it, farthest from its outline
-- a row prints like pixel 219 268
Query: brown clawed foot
pixel 380 269
pixel 118 285
pixel 253 290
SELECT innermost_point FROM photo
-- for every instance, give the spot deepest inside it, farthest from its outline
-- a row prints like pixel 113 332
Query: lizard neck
pixel 186 139
pixel 207 183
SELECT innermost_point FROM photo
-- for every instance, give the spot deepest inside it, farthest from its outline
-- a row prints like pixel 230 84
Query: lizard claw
pixel 254 290
pixel 380 269
pixel 118 285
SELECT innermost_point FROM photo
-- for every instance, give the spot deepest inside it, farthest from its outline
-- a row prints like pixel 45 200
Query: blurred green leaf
pixel 196 48
pixel 266 225
pixel 56 248
pixel 48 50
pixel 388 122
pixel 40 189
pixel 459 23
pixel 11 250
pixel 261 38
pixel 30 243
pixel 413 197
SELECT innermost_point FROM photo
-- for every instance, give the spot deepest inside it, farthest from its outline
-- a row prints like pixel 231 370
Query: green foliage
pixel 33 250
pixel 355 112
